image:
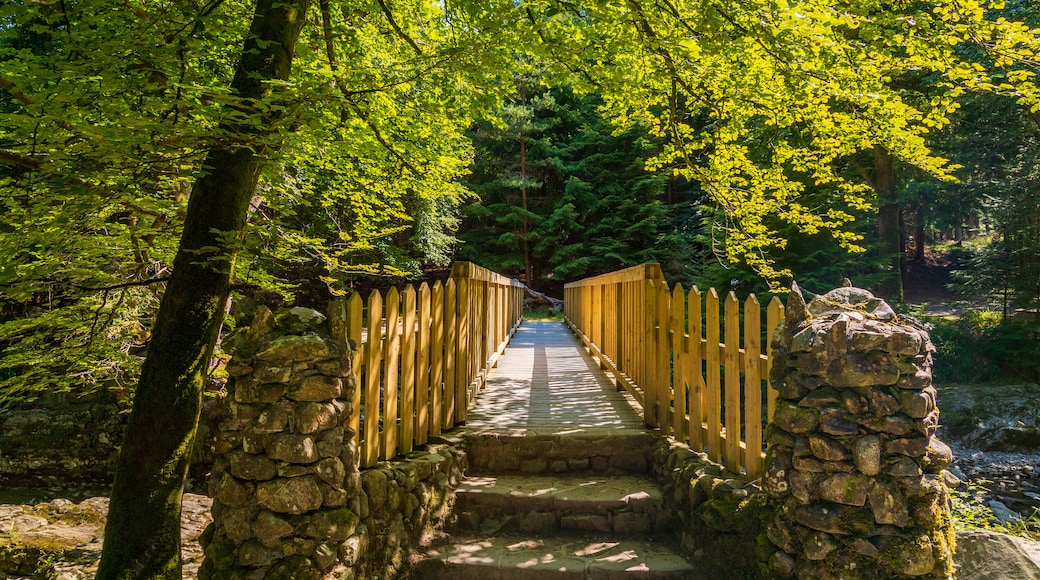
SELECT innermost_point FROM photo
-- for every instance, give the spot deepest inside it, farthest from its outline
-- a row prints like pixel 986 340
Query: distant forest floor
pixel 993 426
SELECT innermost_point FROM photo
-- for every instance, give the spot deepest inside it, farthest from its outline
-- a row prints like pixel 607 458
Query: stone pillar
pixel 285 483
pixel 852 459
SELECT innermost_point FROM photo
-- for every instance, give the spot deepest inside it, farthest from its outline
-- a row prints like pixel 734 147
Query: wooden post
pixel 713 378
pixel 373 360
pixel 422 369
pixel 437 359
pixel 451 343
pixel 407 431
pixel 354 332
pixel 694 372
pixel 647 379
pixel 677 322
pixel 753 386
pixel 732 366
pixel 391 366
pixel 462 360
pixel 662 360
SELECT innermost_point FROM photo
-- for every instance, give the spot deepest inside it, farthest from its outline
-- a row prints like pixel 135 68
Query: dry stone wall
pixel 285 481
pixel 719 513
pixel 289 501
pixel 852 458
pixel 61 440
pixel 401 503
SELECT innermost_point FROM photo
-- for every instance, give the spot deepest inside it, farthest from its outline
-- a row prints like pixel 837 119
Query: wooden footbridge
pixel 560 417
pixel 690 364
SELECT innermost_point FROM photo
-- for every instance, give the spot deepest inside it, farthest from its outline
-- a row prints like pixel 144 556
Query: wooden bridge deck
pixel 547 384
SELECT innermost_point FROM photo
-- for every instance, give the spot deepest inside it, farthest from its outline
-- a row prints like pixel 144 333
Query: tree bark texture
pixel 889 233
pixel 142 536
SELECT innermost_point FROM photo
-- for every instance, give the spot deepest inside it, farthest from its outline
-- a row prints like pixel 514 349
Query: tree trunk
pixel 526 234
pixel 889 242
pixel 919 234
pixel 142 537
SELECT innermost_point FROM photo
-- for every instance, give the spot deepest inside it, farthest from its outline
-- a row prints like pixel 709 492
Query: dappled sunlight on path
pixel 546 384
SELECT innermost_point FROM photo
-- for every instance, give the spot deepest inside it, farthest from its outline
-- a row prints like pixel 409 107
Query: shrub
pixel 978 347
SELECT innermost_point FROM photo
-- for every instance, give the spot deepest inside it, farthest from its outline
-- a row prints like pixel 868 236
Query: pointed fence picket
pixel 421 356
pixel 697 371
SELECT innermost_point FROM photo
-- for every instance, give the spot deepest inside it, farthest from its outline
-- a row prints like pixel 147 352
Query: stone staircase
pixel 561 506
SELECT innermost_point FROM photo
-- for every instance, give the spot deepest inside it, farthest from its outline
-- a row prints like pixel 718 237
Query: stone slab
pixel 512 558
pixel 995 556
pixel 619 504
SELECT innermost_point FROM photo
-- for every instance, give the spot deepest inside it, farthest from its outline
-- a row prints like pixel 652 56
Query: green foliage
pixel 592 206
pixel 756 115
pixel 543 315
pixel 995 140
pixel 970 513
pixel 979 347
pixel 106 113
pixel 813 260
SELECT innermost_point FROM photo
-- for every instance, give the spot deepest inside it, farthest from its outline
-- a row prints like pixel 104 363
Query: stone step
pixel 515 558
pixel 622 505
pixel 597 451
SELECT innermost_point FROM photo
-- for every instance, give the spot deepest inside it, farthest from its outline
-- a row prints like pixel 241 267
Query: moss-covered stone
pixel 908 555
pixel 294 568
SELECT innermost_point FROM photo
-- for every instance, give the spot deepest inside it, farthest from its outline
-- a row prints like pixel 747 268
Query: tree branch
pixel 397 29
pixel 147 282
pixel 19 160
pixel 330 53
pixel 14 91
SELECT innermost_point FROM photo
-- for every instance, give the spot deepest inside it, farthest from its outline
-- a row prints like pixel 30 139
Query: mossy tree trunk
pixel 142 537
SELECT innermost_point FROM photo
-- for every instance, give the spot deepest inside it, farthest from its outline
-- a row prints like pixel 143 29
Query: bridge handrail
pixel 649 271
pixel 658 342
pixel 420 356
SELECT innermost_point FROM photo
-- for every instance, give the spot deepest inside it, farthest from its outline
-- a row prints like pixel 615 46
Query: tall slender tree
pixel 142 536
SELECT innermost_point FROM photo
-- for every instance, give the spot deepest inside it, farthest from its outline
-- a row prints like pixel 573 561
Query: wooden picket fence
pixel 685 366
pixel 422 355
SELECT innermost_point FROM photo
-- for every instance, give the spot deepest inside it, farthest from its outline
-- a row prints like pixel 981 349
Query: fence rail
pixel 682 359
pixel 422 355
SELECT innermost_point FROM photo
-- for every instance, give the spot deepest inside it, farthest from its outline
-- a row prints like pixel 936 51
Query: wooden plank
pixel 475 337
pixel 354 333
pixel 422 368
pixel 713 379
pixel 613 319
pixel 472 271
pixel 732 365
pixel 753 387
pixel 624 382
pixel 498 319
pixel 373 360
pixel 626 333
pixel 451 339
pixel 391 366
pixel 645 380
pixel 774 315
pixel 663 360
pixel 408 347
pixel 694 376
pixel 436 358
pixel 650 271
pixel 677 323
pixel 462 353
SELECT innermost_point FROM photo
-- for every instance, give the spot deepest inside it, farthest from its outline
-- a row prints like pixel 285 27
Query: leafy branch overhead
pixel 766 108
pixel 760 101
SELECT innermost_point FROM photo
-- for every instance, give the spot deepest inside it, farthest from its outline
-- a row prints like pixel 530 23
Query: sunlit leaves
pixel 759 100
